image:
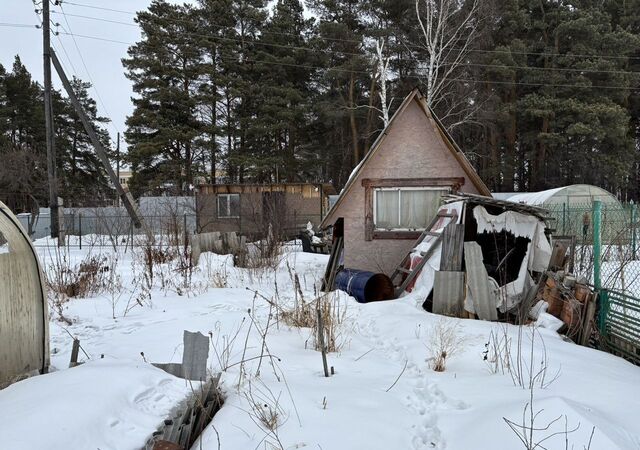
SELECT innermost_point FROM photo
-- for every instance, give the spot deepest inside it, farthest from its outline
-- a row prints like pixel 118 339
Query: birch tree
pixel 382 75
pixel 448 29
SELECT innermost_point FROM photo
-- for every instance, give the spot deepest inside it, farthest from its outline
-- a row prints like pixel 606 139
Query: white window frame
pixel 400 189
pixel 228 202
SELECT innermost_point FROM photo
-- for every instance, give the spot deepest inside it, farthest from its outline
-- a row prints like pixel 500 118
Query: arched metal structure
pixel 24 324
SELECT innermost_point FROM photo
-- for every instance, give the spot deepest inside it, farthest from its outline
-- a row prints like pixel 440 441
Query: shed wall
pixel 302 204
pixel 413 148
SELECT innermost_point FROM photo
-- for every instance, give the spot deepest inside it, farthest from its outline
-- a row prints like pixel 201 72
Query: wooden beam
pixel 381 234
pixel 125 195
pixel 452 246
pixel 454 182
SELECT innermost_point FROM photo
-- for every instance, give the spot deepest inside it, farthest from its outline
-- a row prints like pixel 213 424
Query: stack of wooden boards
pixel 572 302
pixel 189 420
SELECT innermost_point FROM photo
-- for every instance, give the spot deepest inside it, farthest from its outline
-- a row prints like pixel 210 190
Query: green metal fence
pixel 616 277
pixel 619 324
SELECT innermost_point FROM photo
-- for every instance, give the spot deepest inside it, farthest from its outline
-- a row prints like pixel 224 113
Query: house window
pixel 407 208
pixel 228 206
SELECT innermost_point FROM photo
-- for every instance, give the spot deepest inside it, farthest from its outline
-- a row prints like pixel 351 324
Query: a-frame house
pixel 395 191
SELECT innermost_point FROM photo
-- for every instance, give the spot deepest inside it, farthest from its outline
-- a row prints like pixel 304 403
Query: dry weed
pixel 444 342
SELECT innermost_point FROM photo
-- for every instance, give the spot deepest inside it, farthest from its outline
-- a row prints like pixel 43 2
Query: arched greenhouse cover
pixel 24 337
pixel 575 194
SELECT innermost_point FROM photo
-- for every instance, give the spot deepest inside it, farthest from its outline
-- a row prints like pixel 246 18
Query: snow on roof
pixel 535 198
pixel 574 194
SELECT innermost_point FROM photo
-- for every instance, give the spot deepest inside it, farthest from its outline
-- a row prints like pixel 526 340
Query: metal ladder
pixel 412 273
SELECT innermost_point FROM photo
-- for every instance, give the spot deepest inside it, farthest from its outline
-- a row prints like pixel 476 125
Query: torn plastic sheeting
pixel 520 225
pixel 536 258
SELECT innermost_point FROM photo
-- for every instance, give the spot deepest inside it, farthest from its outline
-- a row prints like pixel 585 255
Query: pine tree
pixel 165 67
pixel 284 65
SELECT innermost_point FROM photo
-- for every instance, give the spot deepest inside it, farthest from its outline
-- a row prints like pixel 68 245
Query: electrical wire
pixel 511 52
pixel 338 69
pixel 93 84
pixel 326 51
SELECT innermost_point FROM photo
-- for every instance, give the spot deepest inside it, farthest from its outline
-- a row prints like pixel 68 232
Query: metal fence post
pixel 186 235
pixel 603 311
pixel 564 219
pixel 634 218
pixel 597 242
pixel 80 230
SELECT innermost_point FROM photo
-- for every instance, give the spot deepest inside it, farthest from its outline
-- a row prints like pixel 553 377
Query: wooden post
pixel 124 195
pixel 321 342
pixel 48 122
pixel 74 353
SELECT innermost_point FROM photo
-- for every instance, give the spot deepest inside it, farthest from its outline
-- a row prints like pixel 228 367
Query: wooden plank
pixel 368 214
pixel 406 235
pixel 452 247
pixel 590 312
pixel 448 293
pixel 413 182
pixel 478 282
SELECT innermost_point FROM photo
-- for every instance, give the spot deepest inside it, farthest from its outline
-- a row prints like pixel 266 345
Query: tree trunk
pixel 352 120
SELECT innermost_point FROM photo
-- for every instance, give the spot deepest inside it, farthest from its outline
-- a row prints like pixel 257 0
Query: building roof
pixel 327 188
pixel 574 193
pixel 417 96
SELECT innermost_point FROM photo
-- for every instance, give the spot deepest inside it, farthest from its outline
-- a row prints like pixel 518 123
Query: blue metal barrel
pixel 365 286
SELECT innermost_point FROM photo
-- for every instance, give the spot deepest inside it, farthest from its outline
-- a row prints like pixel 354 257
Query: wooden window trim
pixel 369 184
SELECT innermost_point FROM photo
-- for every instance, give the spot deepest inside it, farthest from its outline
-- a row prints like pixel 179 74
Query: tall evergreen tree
pixel 165 67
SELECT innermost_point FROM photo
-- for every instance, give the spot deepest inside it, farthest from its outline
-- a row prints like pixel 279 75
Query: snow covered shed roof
pixel 572 194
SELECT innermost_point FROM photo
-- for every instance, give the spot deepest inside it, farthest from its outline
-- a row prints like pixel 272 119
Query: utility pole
pixel 118 163
pixel 48 121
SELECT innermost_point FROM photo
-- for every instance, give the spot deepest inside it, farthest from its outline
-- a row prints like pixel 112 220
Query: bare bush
pixel 333 319
pixel 497 353
pixel 444 342
pixel 265 411
pixel 534 435
pixel 67 280
pixel 530 368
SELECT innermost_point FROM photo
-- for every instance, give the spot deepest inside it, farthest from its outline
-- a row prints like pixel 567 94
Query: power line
pixel 93 84
pixel 338 69
pixel 509 52
pixel 326 51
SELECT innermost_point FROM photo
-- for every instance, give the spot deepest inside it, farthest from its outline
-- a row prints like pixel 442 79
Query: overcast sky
pixel 102 58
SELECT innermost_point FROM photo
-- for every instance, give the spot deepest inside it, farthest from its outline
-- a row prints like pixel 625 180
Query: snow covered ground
pixel 384 394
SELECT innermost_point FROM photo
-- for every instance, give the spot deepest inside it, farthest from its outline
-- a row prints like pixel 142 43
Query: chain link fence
pixel 609 255
pixel 100 229
pixel 619 230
